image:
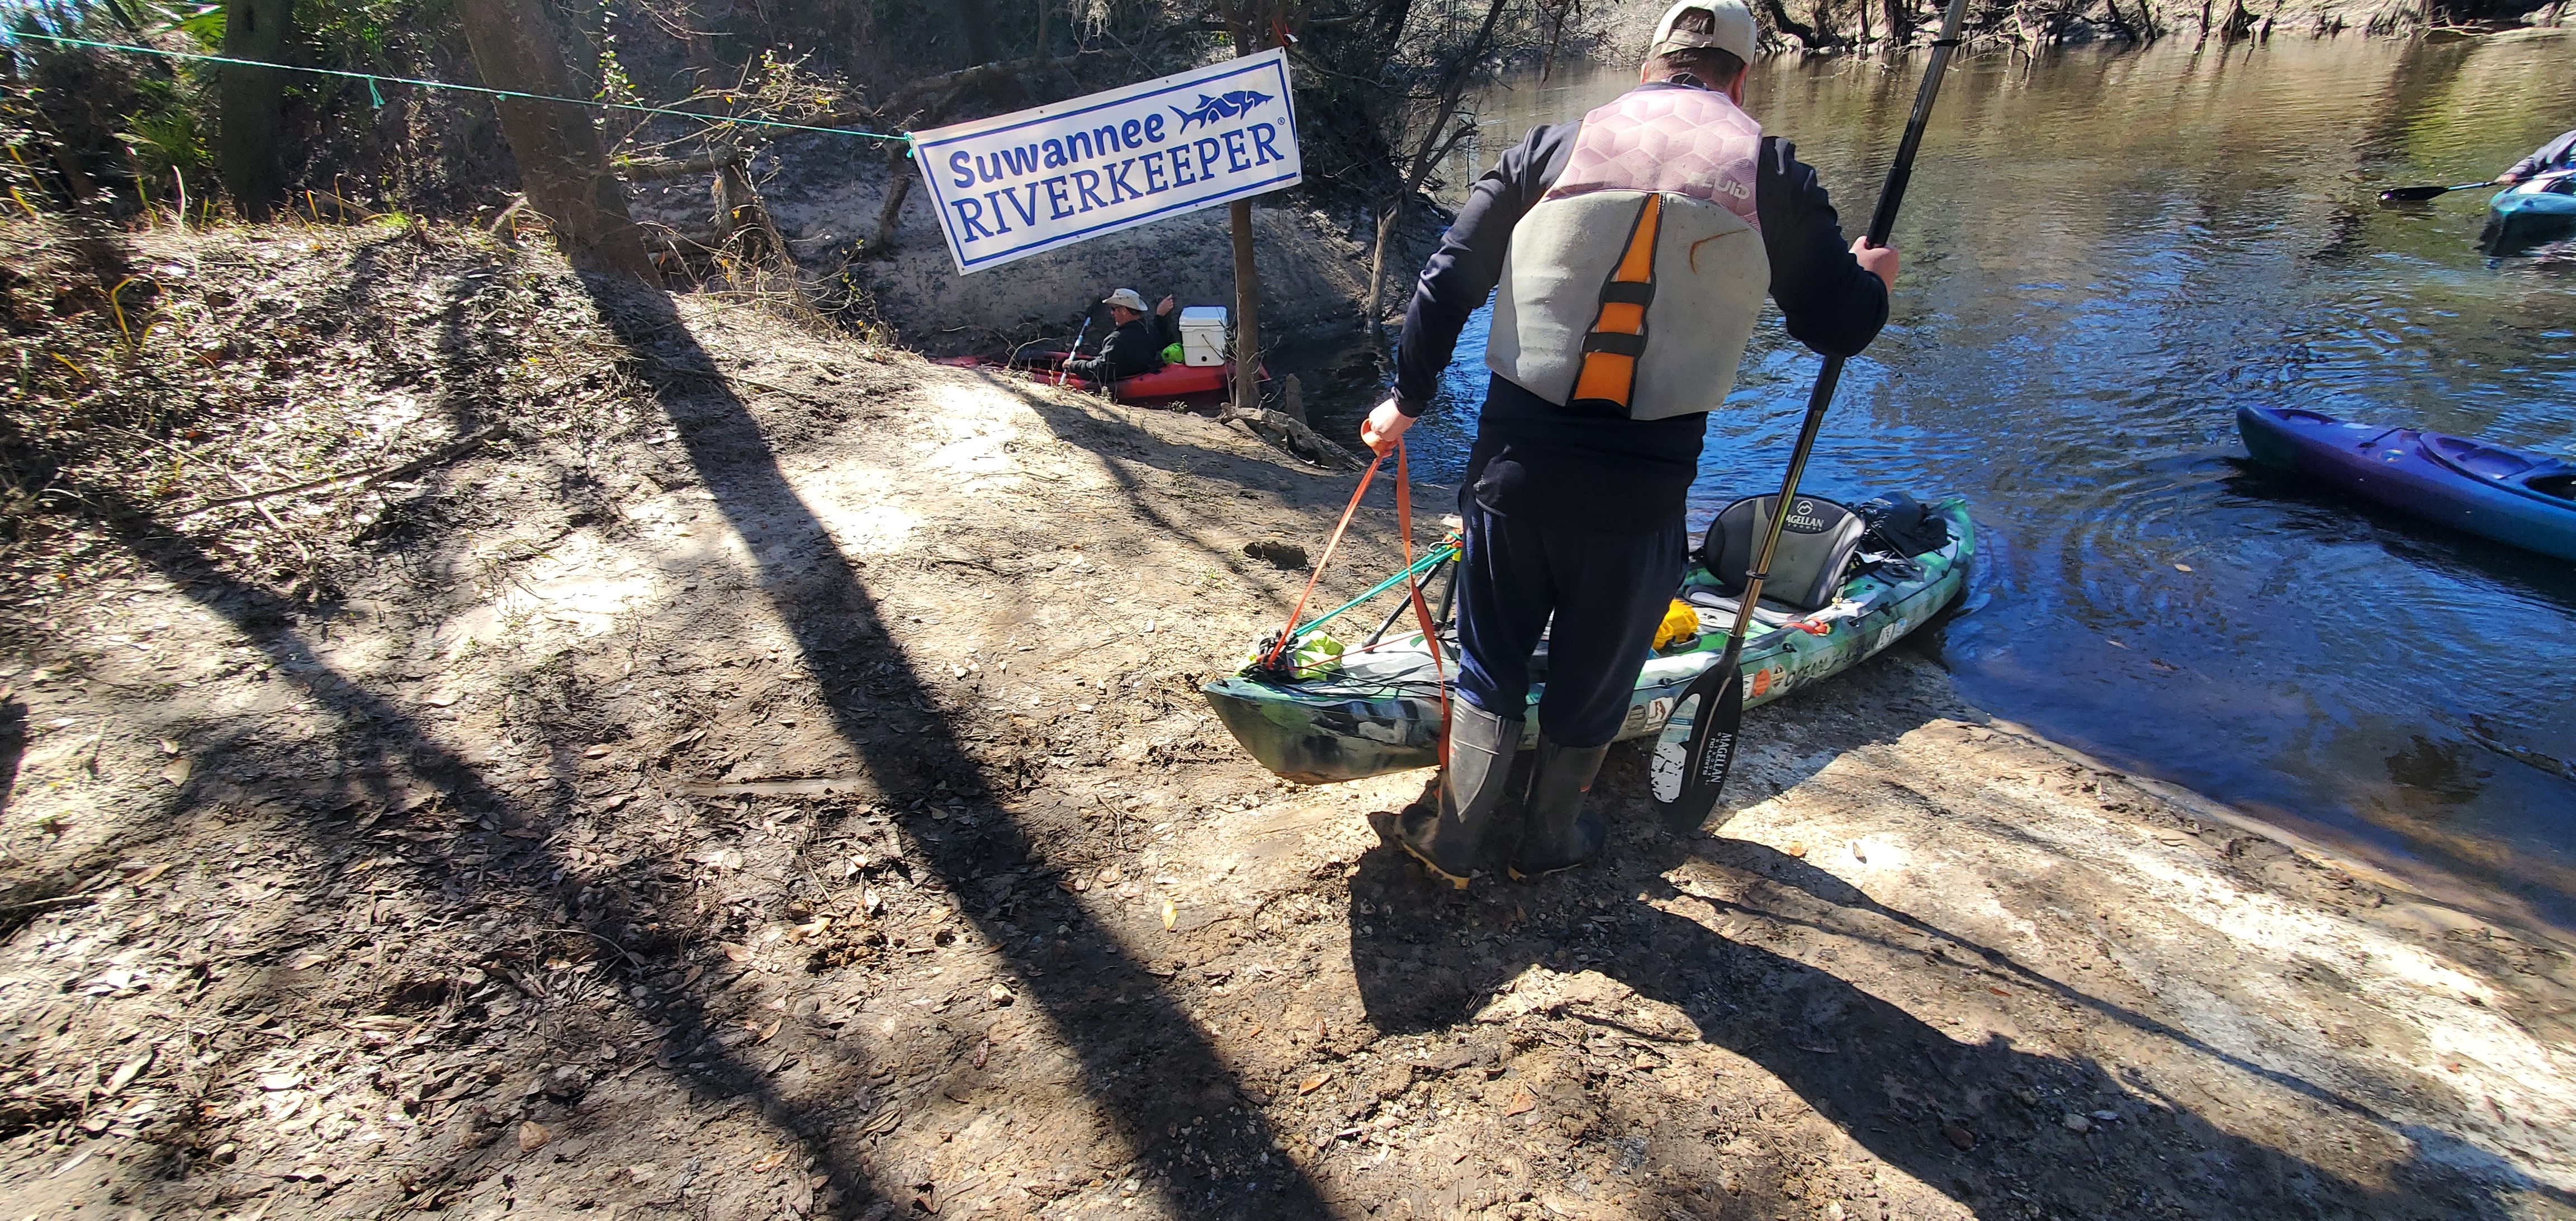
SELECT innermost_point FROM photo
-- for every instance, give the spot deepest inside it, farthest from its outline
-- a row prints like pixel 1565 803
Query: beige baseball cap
pixel 1730 29
pixel 1126 297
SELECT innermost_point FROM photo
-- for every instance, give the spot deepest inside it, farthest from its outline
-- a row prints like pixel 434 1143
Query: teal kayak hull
pixel 1380 711
pixel 2527 215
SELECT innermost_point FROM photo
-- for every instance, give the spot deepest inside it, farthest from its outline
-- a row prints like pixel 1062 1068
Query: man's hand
pixel 1163 306
pixel 1879 261
pixel 1385 423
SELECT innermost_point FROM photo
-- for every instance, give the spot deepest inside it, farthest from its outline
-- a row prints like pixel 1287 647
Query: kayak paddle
pixel 1697 748
pixel 2420 194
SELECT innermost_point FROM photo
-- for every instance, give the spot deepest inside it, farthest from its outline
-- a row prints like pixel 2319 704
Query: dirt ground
pixel 724 771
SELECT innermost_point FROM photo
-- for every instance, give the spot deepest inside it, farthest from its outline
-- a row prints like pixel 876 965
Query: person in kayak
pixel 1632 251
pixel 1135 347
pixel 2558 154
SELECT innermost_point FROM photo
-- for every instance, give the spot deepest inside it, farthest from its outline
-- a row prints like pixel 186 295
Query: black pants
pixel 1607 593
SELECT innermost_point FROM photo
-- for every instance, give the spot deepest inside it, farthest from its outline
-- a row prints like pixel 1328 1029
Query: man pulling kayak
pixel 1135 347
pixel 1632 251
pixel 2558 154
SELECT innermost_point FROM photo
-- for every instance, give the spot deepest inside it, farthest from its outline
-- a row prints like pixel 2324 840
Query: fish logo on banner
pixel 1018 184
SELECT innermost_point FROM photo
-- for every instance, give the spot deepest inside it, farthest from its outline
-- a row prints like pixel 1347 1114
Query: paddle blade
pixel 1697 746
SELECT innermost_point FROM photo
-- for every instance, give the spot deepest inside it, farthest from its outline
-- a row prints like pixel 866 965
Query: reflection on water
pixel 2105 257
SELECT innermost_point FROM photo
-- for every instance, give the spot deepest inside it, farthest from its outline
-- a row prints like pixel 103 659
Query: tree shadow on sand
pixel 1171 1102
pixel 1912 1094
pixel 1143 1059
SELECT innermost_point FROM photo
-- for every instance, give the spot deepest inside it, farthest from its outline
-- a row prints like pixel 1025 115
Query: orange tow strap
pixel 1413 588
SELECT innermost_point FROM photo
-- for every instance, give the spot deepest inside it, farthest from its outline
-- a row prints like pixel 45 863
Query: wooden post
pixel 250 102
pixel 562 165
pixel 1247 276
pixel 1247 311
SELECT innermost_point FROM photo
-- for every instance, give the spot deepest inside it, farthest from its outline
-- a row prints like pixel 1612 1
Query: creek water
pixel 2106 253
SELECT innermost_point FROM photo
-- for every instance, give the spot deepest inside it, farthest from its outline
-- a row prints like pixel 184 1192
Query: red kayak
pixel 1169 384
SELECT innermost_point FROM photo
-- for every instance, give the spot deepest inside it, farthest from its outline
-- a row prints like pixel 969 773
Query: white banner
pixel 1011 186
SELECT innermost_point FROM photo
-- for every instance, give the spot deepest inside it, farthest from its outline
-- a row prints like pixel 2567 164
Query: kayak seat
pixel 1817 546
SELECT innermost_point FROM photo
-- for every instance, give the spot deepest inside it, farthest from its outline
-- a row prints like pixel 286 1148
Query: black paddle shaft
pixel 1881 223
pixel 2420 194
pixel 1710 752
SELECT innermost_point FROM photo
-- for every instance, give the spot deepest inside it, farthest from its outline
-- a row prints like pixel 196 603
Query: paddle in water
pixel 2420 194
pixel 1697 747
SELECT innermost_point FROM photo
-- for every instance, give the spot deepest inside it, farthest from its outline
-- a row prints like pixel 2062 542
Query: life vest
pixel 1630 288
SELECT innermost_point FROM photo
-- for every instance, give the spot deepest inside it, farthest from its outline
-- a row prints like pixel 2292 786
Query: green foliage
pixel 371 35
pixel 202 23
pixel 165 138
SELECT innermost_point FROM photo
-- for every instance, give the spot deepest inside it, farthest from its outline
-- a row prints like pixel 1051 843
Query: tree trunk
pixel 976 23
pixel 561 163
pixel 250 102
pixel 898 185
pixel 1900 23
pixel 1387 225
pixel 1808 40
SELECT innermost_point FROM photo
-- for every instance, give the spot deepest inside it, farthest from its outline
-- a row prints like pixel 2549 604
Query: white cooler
pixel 1203 335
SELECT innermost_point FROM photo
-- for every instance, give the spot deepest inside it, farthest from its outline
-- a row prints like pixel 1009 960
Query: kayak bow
pixel 2523 499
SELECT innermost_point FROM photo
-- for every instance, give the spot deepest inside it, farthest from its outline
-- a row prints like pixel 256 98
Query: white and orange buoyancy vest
pixel 1630 288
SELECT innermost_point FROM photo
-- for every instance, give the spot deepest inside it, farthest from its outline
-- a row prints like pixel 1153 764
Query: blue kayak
pixel 2527 500
pixel 2531 213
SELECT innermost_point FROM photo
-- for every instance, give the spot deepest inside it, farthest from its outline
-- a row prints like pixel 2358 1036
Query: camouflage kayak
pixel 1374 711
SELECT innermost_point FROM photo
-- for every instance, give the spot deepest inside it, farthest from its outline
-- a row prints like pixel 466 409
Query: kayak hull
pixel 1169 384
pixel 1381 714
pixel 2524 216
pixel 2523 499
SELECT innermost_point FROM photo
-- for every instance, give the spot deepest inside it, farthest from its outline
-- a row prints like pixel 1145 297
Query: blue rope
pixel 372 79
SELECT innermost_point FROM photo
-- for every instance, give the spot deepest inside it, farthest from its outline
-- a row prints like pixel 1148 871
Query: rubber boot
pixel 1560 832
pixel 1447 837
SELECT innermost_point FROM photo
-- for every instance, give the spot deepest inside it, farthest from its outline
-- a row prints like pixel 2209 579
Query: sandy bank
pixel 766 774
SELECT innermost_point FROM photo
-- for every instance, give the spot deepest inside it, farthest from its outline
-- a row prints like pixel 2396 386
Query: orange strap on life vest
pixel 1608 380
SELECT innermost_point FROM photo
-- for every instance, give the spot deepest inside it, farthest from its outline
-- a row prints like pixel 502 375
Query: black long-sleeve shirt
pixel 1585 471
pixel 1134 348
pixel 2558 154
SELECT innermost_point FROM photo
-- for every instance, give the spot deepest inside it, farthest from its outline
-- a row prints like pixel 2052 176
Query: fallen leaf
pixel 770 1162
pixel 148 875
pixel 1795 849
pixel 442 699
pixel 1312 1084
pixel 737 953
pixel 597 752
pixel 770 1031
pixel 309 960
pixel 1522 1103
pixel 169 747
pixel 693 974
pixel 1997 991
pixel 177 772
pixel 533 1136
pixel 1171 914
pixel 1958 1137
pixel 2182 568
pixel 128 1071
pixel 983 1052
pixel 273 1082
